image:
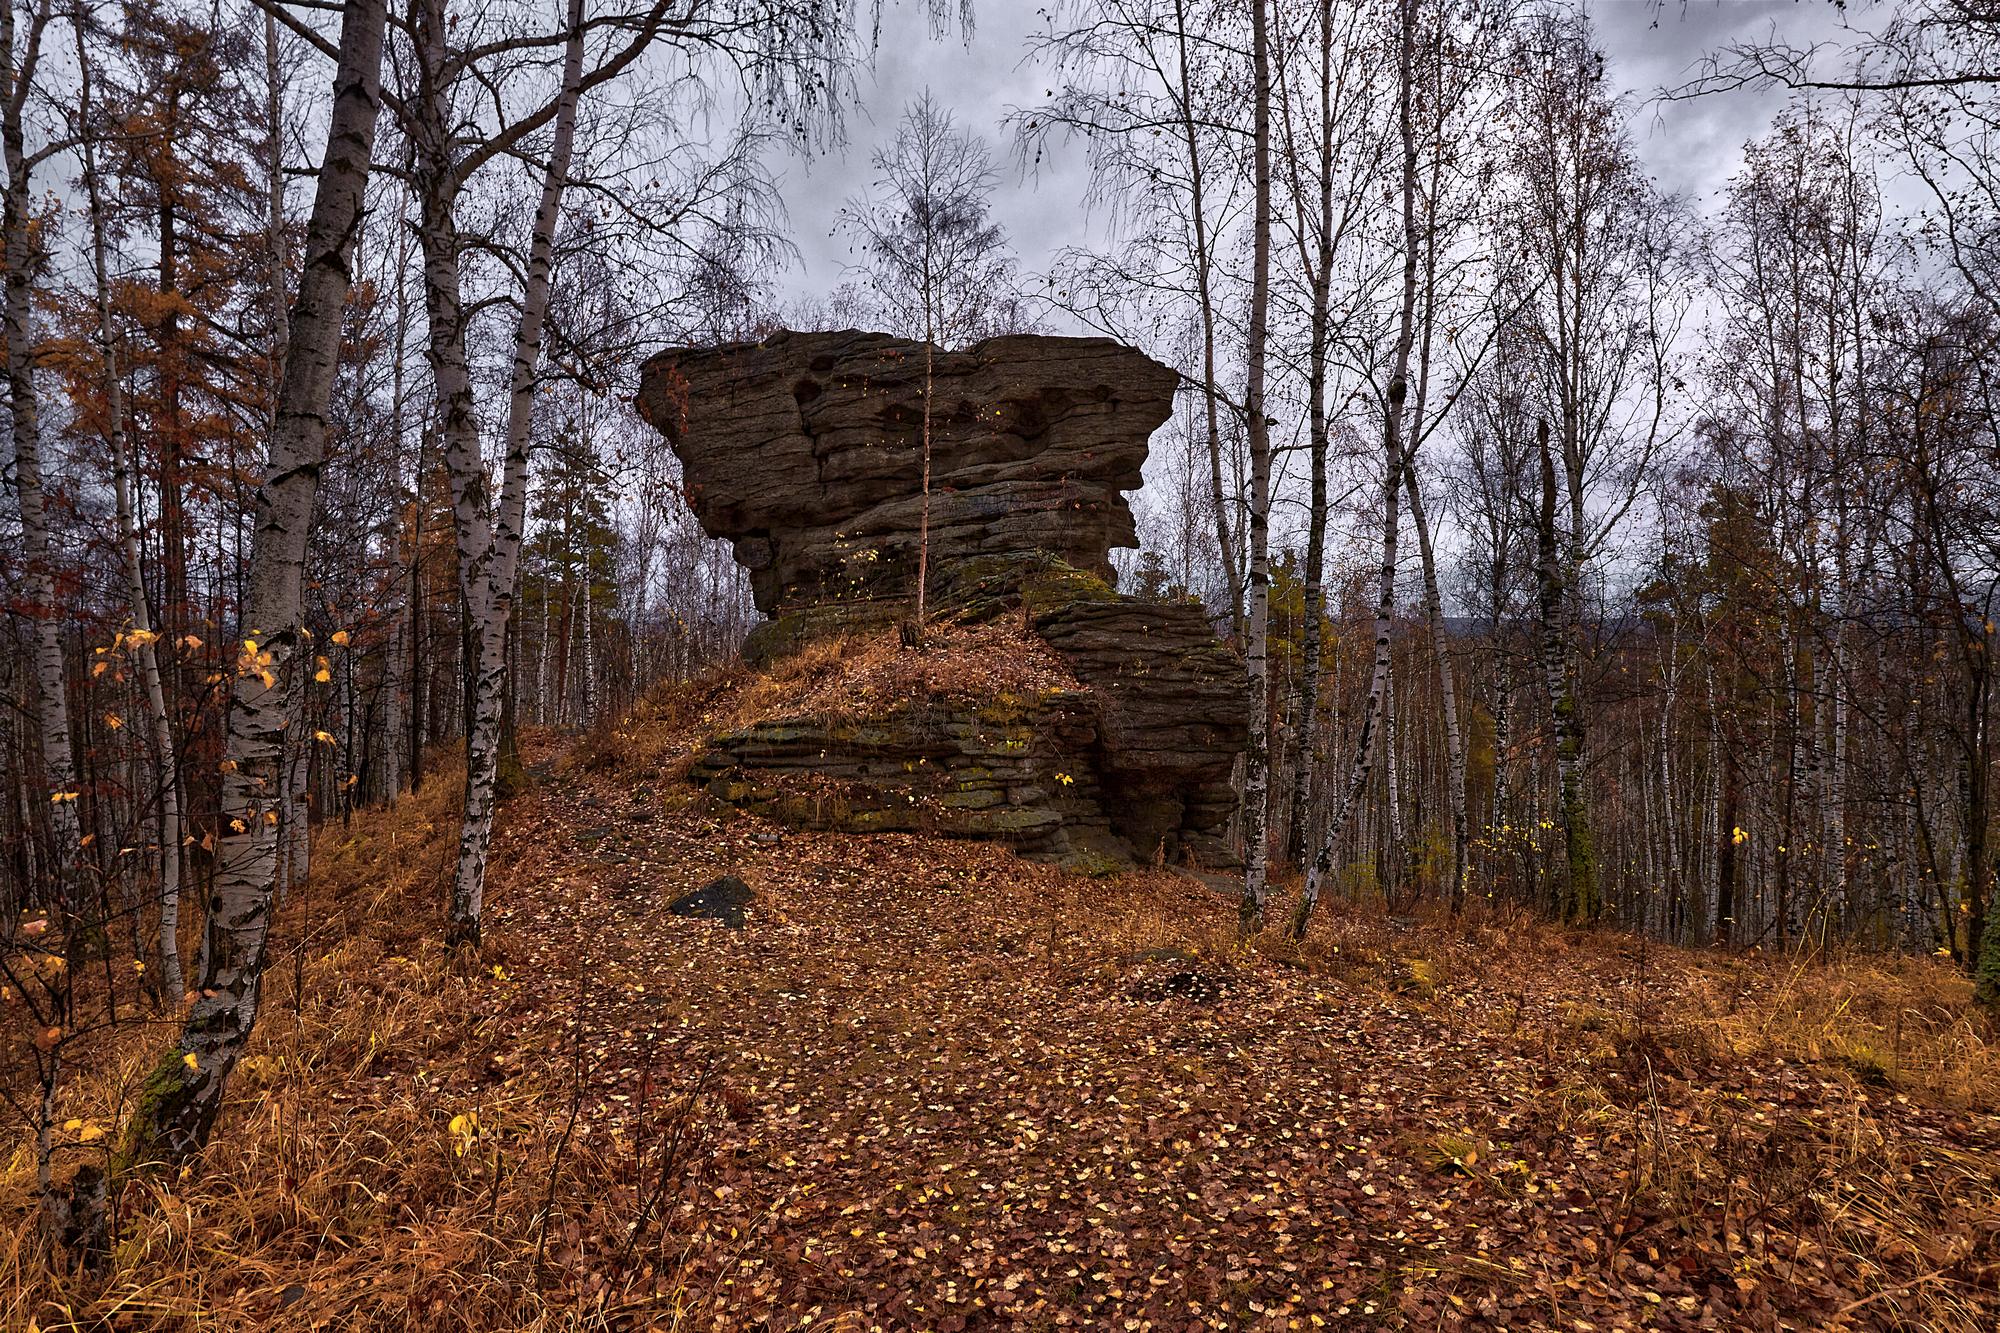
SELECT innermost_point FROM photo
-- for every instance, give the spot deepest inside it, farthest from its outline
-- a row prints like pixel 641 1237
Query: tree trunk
pixel 57 777
pixel 1205 305
pixel 1454 738
pixel 488 535
pixel 1312 648
pixel 1257 753
pixel 1579 900
pixel 1392 487
pixel 179 1102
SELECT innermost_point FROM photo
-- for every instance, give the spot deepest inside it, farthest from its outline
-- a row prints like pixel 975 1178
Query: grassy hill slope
pixel 933 1086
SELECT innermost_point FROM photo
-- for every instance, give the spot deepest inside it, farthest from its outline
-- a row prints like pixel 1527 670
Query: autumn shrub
pixel 606 748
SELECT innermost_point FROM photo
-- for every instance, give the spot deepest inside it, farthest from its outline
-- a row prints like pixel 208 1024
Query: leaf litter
pixel 951 1089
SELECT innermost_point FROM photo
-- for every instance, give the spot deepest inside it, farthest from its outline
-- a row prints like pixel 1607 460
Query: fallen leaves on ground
pixel 933 1086
pixel 947 1103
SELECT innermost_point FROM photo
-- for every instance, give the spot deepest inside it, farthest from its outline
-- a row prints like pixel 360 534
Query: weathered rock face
pixel 806 452
pixel 1012 769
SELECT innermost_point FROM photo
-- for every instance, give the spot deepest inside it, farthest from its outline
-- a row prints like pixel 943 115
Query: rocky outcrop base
pixel 1132 763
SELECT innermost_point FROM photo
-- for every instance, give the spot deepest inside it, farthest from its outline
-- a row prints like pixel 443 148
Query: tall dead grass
pixel 406 1145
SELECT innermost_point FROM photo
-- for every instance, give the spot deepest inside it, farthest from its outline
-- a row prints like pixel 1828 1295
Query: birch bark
pixel 1257 754
pixel 179 1102
pixel 1205 305
pixel 1312 646
pixel 488 534
pixel 1578 901
pixel 51 703
pixel 1454 737
pixel 1392 486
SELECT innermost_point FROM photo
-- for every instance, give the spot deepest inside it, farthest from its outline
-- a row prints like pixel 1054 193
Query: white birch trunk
pixel 1454 737
pixel 1205 308
pixel 1257 754
pixel 488 535
pixel 588 694
pixel 179 1101
pixel 1833 821
pixel 1392 487
pixel 1579 888
pixel 1669 807
pixel 51 715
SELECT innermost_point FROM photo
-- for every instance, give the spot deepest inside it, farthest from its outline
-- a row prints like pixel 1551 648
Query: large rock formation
pixel 806 452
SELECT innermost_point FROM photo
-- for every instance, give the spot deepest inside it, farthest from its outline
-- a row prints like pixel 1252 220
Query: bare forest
pixel 1248 664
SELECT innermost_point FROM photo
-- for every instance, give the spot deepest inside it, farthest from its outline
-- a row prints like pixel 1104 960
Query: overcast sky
pixel 1690 147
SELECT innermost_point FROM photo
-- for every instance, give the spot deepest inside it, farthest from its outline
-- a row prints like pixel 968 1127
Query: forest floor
pixel 932 1086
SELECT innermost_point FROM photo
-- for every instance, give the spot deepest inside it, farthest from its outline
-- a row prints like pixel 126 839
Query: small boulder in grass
pixel 726 900
pixel 1175 974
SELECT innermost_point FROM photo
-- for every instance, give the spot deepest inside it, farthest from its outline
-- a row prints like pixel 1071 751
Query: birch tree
pixel 1335 98
pixel 1394 401
pixel 177 1106
pixel 488 533
pixel 935 261
pixel 1151 87
pixel 1256 655
pixel 21 33
pixel 1597 297
pixel 791 57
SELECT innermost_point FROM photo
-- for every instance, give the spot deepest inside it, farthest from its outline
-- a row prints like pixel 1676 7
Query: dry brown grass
pixel 828 681
pixel 338 1193
pixel 841 678
pixel 1839 1108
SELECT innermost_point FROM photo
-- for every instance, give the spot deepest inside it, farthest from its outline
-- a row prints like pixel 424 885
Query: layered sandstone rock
pixel 805 451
